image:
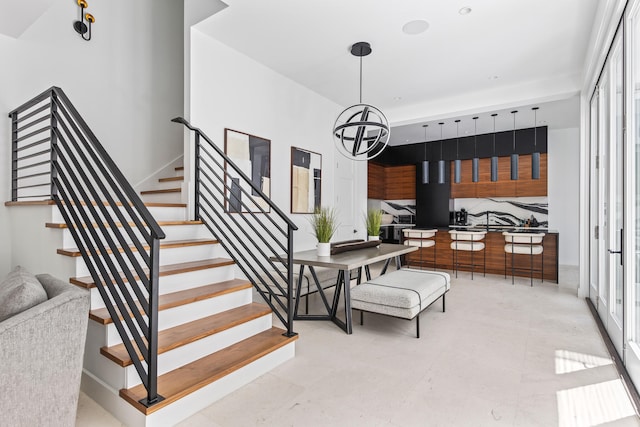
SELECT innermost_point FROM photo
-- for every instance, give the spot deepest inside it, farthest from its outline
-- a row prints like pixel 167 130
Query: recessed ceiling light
pixel 415 27
pixel 397 98
pixel 465 11
pixel 493 77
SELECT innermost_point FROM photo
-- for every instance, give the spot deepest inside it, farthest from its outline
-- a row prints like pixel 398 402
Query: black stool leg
pixel 418 326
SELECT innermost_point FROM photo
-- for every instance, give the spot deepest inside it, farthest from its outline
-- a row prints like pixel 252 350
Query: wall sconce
pixel 80 26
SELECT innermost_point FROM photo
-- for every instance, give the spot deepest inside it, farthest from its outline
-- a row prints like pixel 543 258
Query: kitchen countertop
pixel 501 228
pixel 397 225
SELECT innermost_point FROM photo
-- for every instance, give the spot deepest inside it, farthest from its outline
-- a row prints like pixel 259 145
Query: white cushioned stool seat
pixel 467 246
pixel 402 293
pixel 523 243
pixel 420 243
pixel 523 249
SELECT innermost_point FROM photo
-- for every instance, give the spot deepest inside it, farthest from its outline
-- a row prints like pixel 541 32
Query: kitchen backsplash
pixel 503 211
pixel 399 208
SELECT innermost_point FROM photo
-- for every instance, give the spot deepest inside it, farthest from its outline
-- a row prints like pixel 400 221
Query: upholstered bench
pixel 403 293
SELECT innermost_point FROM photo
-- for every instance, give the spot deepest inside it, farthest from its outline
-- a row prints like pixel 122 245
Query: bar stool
pixel 468 241
pixel 523 244
pixel 422 239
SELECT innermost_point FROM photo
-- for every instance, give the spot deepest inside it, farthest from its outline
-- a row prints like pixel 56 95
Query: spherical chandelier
pixel 361 131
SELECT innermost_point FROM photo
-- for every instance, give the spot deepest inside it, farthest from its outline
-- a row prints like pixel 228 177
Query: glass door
pixel 604 116
pixel 594 202
pixel 632 193
pixel 615 193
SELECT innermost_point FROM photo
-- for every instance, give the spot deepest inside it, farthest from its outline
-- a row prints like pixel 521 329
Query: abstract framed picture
pixel 306 180
pixel 252 155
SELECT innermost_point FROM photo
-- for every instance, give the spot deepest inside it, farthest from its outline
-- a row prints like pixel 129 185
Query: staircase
pixel 211 337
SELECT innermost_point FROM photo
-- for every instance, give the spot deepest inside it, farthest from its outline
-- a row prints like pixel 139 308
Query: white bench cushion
pixel 400 293
pixel 418 234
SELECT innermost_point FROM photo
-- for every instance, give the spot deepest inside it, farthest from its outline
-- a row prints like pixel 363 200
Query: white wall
pixel 231 90
pixel 564 191
pixel 127 82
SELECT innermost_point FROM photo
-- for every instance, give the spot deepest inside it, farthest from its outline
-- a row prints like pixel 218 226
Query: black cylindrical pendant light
pixel 476 162
pixel 494 158
pixel 458 163
pixel 441 165
pixel 425 162
pixel 535 157
pixel 514 155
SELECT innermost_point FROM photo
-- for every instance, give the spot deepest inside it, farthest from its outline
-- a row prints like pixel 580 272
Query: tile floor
pixel 501 355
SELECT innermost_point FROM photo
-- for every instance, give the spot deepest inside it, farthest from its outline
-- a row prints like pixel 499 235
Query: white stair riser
pixel 178 282
pixel 160 213
pixel 167 185
pixel 162 197
pixel 188 405
pixel 187 313
pixel 193 351
pixel 173 232
pixel 167 256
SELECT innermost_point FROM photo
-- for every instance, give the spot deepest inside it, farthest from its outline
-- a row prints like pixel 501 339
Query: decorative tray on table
pixel 350 245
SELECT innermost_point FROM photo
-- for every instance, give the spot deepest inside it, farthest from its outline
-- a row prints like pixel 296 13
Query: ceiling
pixel 17 16
pixel 501 55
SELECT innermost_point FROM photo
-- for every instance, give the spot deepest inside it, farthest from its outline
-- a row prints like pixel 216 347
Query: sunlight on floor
pixel 593 404
pixel 569 361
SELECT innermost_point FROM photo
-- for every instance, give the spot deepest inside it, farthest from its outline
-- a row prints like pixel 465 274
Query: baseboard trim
pixel 622 370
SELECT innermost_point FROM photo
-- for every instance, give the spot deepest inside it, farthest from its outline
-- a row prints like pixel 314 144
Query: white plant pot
pixel 374 237
pixel 324 249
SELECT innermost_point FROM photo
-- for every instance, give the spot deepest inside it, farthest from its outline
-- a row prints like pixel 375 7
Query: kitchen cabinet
pixel 504 187
pixel 494 242
pixel 391 182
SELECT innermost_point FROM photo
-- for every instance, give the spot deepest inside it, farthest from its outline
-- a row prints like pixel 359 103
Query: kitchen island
pixel 495 254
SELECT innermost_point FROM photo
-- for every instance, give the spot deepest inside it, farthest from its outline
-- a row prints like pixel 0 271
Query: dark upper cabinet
pixel 464 148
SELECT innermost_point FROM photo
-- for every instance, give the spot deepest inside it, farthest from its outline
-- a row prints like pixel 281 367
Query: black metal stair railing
pixel 55 156
pixel 259 241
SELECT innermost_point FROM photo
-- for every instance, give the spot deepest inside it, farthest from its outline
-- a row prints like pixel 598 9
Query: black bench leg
pixel 443 295
pixel 361 317
pixel 418 326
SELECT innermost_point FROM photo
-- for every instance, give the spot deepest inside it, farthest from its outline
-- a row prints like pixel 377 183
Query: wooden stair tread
pixel 75 252
pixel 171 178
pixel 187 333
pixel 175 299
pixel 52 202
pixel 131 224
pixel 164 270
pixel 166 190
pixel 202 372
pixel 179 168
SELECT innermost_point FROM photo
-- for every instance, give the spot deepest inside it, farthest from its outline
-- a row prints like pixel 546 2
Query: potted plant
pixel 373 220
pixel 325 223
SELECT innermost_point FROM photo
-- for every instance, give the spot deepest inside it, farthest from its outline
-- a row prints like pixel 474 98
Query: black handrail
pixel 116 234
pixel 259 241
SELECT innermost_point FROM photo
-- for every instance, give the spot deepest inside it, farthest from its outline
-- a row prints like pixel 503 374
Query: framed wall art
pixel 252 155
pixel 306 180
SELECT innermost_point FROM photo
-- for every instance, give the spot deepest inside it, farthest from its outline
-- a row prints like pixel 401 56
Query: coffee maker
pixel 460 217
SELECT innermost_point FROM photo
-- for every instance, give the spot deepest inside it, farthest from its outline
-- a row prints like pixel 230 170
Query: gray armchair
pixel 41 353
